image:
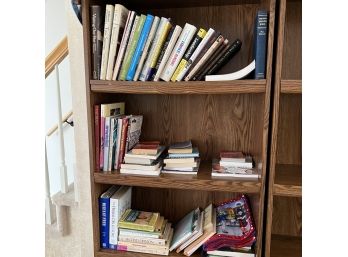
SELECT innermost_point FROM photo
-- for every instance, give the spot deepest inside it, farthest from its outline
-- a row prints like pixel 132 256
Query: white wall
pixel 56 29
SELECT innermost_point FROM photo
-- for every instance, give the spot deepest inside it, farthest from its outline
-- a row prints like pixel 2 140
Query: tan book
pixel 179 160
pixel 139 220
pixel 181 165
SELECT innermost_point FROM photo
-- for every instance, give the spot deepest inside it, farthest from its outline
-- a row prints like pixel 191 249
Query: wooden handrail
pixel 55 127
pixel 56 56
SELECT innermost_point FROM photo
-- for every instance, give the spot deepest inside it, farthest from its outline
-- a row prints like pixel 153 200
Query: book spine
pixel 106 143
pixel 102 131
pixel 111 145
pixel 181 45
pixel 96 16
pixel 158 49
pixel 232 50
pixel 114 142
pixel 164 49
pixel 129 248
pixel 104 213
pixel 97 135
pixel 134 233
pixel 120 16
pixel 140 46
pixel 125 123
pixel 195 42
pixel 260 44
pixel 113 223
pixel 142 240
pixel 133 45
pixel 144 73
pixel 109 15
pixel 119 129
pixel 131 36
pixel 172 42
pixel 210 34
pixel 146 47
pixel 123 44
pixel 142 227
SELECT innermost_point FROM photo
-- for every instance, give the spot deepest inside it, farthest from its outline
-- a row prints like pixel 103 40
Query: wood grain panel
pixel 286 246
pixel 291 86
pixel 288 180
pixel 292 60
pixel 287 216
pixel 289 149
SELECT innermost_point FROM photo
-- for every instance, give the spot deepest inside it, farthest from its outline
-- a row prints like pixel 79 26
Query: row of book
pixel 224 230
pixel 131 46
pixel 115 134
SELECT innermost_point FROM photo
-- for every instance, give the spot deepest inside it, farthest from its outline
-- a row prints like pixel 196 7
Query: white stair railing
pixel 48 202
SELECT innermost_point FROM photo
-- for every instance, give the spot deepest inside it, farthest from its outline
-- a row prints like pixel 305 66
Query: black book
pixel 97 28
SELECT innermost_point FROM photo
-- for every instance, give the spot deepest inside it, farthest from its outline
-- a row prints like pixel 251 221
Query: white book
pixel 118 24
pixel 109 16
pixel 219 41
pixel 141 172
pixel 233 76
pixel 148 43
pixel 231 253
pixel 119 202
pixel 135 23
pixel 118 141
pixel 240 174
pixel 144 73
pixel 113 127
pixel 138 233
pixel 123 45
pixel 176 33
pixel 195 54
pixel 179 172
pixel 106 143
pixel 180 47
pixel 138 166
pixel 246 165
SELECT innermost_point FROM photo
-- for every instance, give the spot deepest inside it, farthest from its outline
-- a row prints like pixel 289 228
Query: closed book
pixel 248 164
pixel 179 49
pixel 134 160
pixel 123 44
pixel 146 67
pixel 129 54
pixel 146 156
pixel 145 234
pixel 141 172
pixel 260 43
pixel 134 131
pixel 118 24
pixel 219 41
pixel 185 169
pixel 210 35
pixel 97 28
pixel 189 173
pixel 113 130
pixel 231 51
pixel 145 149
pixel 114 122
pixel 179 160
pixel 140 46
pixel 195 153
pixel 152 69
pixel 226 252
pixel 120 201
pixel 104 216
pixel 97 135
pixel 109 16
pixel 147 46
pixel 139 220
pixel 118 141
pixel 195 42
pixel 124 130
pixel 212 60
pixel 166 50
pixel 106 143
pixel 182 165
pixel 150 167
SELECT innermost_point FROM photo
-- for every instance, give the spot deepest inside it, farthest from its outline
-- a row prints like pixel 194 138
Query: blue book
pixel 260 43
pixel 104 216
pixel 140 47
pixel 194 154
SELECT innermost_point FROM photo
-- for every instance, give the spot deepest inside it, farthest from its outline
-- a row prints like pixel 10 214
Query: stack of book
pixel 235 230
pixel 234 164
pixel 182 158
pixel 145 232
pixel 145 158
pixel 142 47
pixel 112 204
pixel 115 134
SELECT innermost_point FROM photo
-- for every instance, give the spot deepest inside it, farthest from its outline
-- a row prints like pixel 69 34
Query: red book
pixel 125 122
pixel 97 135
pixel 146 148
pixel 232 155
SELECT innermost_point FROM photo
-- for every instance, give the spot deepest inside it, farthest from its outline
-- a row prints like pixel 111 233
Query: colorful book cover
pixel 97 28
pixel 125 122
pixel 139 220
pixel 106 143
pixel 97 135
pixel 140 46
pixel 134 131
pixel 260 43
pixel 129 55
pixel 109 16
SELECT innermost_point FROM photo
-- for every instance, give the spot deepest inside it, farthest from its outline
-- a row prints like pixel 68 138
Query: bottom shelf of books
pixel 221 229
pixel 286 246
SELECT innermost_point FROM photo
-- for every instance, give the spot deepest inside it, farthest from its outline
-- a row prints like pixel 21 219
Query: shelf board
pixel 176 88
pixel 203 181
pixel 286 246
pixel 114 253
pixel 288 180
pixel 291 86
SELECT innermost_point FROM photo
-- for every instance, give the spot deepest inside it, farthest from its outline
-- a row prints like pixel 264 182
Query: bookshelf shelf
pixel 288 180
pixel 291 86
pixel 202 181
pixel 286 246
pixel 182 88
pixel 112 253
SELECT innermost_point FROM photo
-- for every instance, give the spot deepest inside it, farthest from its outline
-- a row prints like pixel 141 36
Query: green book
pixel 128 58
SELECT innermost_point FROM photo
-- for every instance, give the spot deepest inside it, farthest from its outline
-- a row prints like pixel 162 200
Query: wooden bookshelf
pixel 230 115
pixel 284 208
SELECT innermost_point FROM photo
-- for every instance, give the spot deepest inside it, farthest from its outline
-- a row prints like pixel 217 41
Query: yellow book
pixel 139 220
pixel 195 42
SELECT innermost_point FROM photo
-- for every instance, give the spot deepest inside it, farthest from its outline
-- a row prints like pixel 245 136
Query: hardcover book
pixel 139 220
pixel 106 143
pixel 97 135
pixel 218 170
pixel 152 167
pixel 194 154
pixel 146 156
pixel 141 172
pixel 260 43
pixel 97 28
pixel 181 147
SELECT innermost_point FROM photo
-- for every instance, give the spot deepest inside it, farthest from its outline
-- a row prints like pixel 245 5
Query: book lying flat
pixel 181 147
pixel 141 172
pixel 139 220
pixel 195 153
pixel 247 164
pixel 146 156
pixel 182 165
pixel 225 252
pixel 151 167
pixel 179 160
pixel 179 172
